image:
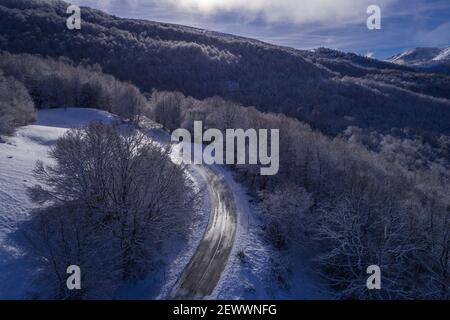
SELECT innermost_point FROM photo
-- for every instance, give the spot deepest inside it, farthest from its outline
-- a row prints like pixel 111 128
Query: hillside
pixel 429 59
pixel 330 90
pixel 18 159
pixel 415 56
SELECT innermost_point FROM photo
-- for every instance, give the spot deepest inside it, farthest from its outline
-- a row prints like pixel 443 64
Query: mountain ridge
pixel 329 89
pixel 425 58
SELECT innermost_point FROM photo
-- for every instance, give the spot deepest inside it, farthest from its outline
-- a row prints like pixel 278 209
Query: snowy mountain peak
pixel 444 55
pixel 429 59
pixel 416 56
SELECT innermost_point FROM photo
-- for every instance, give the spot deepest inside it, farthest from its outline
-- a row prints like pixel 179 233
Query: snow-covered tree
pixel 16 106
pixel 125 189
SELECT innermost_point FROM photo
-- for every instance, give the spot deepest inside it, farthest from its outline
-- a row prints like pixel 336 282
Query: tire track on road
pixel 204 270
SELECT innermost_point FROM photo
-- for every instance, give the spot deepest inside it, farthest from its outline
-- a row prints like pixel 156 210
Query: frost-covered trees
pixel 57 83
pixel 346 207
pixel 68 234
pixel 330 89
pixel 399 113
pixel 355 231
pixel 166 108
pixel 290 204
pixel 118 196
pixel 16 106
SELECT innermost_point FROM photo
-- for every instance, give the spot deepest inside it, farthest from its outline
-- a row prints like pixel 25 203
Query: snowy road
pixel 203 272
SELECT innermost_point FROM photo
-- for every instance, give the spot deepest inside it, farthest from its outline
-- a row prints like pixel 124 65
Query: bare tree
pixel 16 106
pixel 126 190
pixel 167 109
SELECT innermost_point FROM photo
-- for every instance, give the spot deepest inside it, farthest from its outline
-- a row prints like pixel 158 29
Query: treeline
pixel 35 82
pixel 353 65
pixel 414 152
pixel 330 90
pixel 350 207
pixel 16 105
pixel 112 201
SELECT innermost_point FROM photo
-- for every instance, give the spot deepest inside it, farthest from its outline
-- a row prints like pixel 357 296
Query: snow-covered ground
pixel 18 156
pixel 250 271
pixel 247 275
pixel 177 252
pixel 251 276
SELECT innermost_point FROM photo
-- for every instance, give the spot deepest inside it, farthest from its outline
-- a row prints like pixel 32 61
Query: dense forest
pixel 347 206
pixel 110 217
pixel 328 89
pixel 119 205
pixel 365 145
pixel 30 82
pixel 16 106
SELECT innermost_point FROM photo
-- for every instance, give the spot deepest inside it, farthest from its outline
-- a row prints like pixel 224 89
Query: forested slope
pixel 328 89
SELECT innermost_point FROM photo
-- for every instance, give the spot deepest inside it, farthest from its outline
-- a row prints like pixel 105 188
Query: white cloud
pixel 435 37
pixel 292 11
pixel 297 11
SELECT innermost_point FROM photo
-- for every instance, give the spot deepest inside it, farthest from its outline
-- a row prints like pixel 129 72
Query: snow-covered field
pixel 18 156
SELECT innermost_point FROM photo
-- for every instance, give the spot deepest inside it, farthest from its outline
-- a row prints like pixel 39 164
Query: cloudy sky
pixel 305 24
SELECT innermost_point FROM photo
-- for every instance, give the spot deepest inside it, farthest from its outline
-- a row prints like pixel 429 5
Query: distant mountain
pixel 328 89
pixel 431 59
pixel 417 56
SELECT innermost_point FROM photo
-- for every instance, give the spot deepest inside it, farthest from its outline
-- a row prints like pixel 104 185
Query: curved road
pixel 203 272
